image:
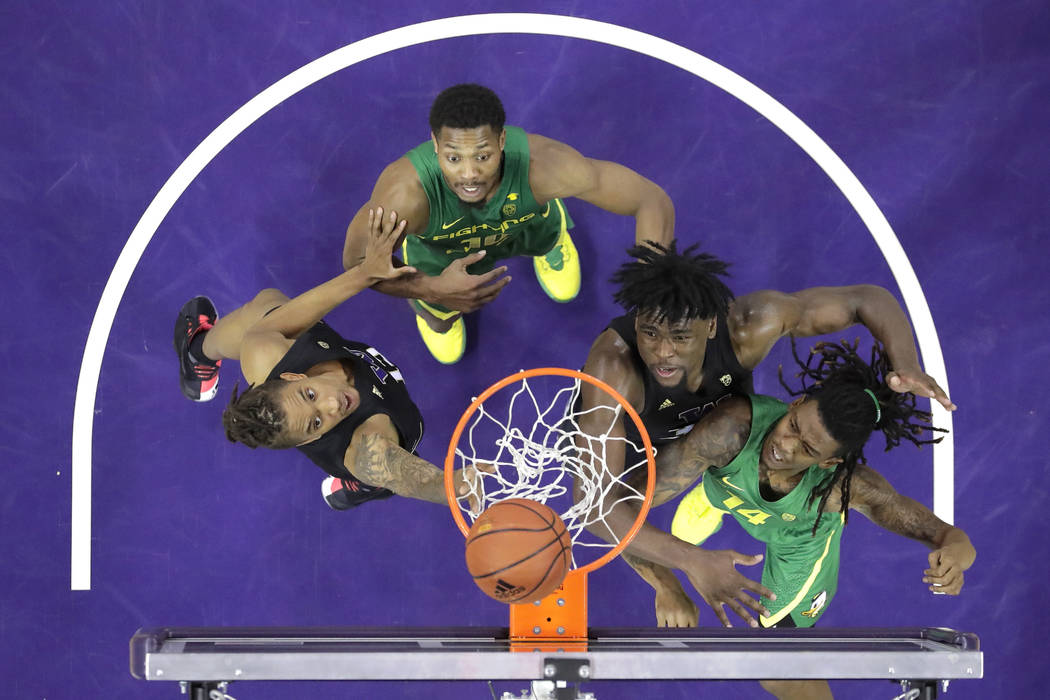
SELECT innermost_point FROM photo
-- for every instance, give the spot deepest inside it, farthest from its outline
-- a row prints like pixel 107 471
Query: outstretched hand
pixel 714 575
pixel 459 290
pixel 384 234
pixel 919 383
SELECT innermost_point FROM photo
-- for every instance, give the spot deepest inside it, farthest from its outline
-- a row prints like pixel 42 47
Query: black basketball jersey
pixel 669 413
pixel 381 388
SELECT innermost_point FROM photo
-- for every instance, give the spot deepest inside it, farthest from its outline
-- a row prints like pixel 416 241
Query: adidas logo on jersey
pixel 666 404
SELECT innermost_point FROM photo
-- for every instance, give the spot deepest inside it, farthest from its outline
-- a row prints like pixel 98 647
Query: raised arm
pixel 953 553
pixel 758 320
pixel 398 190
pixel 558 170
pixel 266 341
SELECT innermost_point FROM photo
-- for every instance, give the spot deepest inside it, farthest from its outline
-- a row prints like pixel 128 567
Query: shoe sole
pixel 179 331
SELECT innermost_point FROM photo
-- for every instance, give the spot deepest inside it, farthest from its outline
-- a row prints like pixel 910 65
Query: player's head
pixel 291 410
pixel 842 401
pixel 676 299
pixel 466 126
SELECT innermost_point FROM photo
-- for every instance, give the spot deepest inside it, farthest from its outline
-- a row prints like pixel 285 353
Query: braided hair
pixel 853 399
pixel 670 285
pixel 256 417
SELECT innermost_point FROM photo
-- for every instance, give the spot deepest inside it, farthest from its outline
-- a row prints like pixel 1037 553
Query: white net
pixel 529 435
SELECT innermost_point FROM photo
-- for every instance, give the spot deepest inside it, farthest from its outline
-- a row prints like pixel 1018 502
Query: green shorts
pixel 804 577
pixel 535 237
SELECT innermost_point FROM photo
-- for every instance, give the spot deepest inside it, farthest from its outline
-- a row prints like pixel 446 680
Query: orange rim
pixel 650 486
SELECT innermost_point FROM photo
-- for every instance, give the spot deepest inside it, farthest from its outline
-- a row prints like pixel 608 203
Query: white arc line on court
pixel 501 23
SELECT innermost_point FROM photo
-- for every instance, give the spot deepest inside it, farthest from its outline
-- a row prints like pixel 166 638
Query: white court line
pixel 504 23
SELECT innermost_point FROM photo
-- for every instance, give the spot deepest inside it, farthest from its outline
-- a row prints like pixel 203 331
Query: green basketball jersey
pixel 510 223
pixel 800 567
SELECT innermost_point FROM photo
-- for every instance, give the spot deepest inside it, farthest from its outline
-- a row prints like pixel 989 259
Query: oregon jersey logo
pixel 816 604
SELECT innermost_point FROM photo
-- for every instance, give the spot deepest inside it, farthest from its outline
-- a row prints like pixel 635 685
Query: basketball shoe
pixel 344 494
pixel 446 347
pixel 198 378
pixel 559 270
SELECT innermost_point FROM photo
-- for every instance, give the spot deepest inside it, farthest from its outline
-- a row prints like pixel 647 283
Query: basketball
pixel 518 551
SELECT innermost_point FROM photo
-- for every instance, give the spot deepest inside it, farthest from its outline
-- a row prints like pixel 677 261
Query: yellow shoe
pixel 696 519
pixel 446 347
pixel 559 270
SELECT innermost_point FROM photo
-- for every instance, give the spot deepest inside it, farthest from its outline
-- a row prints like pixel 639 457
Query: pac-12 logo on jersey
pixel 383 368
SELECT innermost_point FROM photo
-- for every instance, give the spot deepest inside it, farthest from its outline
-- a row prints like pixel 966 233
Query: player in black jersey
pixel 687 344
pixel 340 402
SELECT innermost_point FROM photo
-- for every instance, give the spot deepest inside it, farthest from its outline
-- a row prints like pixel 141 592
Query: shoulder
pixel 611 360
pixel 757 320
pixel 260 353
pixel 399 189
pixel 720 435
pixel 377 427
pixel 557 169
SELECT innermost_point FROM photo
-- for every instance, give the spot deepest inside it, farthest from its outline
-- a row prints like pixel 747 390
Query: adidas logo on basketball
pixel 506 590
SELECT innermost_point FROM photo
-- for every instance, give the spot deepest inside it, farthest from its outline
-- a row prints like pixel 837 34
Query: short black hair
pixel 467 106
pixel 256 418
pixel 853 399
pixel 662 282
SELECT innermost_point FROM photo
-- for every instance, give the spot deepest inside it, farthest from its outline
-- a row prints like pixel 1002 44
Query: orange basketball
pixel 518 551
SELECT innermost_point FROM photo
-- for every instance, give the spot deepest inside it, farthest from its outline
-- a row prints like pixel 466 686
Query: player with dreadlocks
pixel 790 473
pixel 686 345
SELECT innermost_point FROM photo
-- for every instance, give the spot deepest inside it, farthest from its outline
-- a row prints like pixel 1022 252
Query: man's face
pixel 799 440
pixel 470 161
pixel 314 405
pixel 674 352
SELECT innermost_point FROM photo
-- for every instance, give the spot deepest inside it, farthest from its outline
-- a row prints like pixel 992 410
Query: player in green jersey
pixel 789 475
pixel 478 192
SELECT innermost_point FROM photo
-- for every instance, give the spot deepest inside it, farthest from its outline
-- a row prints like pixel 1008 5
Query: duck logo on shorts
pixel 726 379
pixel 816 604
pixel 323 344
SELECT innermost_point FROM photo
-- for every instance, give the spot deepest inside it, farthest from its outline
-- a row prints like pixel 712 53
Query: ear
pixel 830 463
pixel 502 138
pixel 292 376
pixel 434 140
pixel 798 401
pixel 712 328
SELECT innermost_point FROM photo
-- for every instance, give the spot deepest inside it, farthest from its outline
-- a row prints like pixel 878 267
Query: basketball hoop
pixel 531 440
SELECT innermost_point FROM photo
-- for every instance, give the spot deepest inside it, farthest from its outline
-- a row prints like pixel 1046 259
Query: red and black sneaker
pixel 344 494
pixel 199 379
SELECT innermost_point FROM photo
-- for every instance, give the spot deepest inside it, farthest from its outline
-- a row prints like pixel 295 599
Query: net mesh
pixel 529 436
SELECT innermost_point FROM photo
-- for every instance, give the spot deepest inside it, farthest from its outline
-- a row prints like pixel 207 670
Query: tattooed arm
pixel 376 457
pixel 953 553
